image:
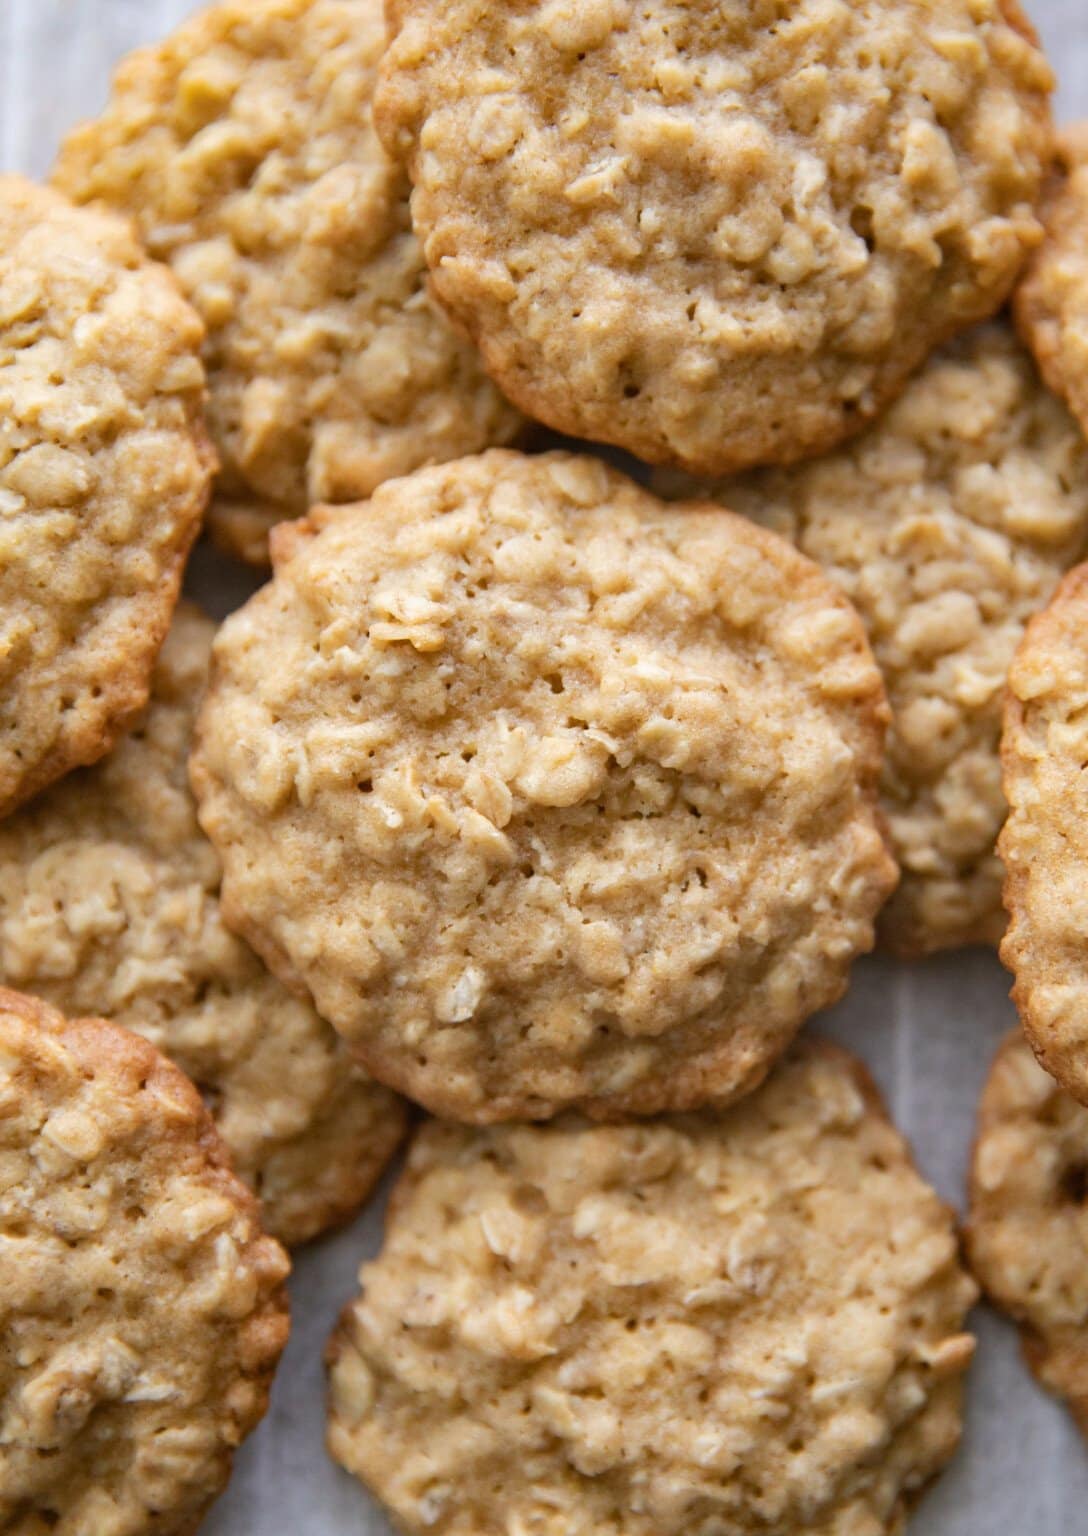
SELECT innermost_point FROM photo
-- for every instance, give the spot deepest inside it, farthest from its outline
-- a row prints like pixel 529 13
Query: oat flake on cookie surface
pixel 244 148
pixel 948 524
pixel 744 1322
pixel 550 794
pixel 1051 303
pixel 1045 840
pixel 104 475
pixel 1028 1228
pixel 142 1309
pixel 722 232
pixel 109 906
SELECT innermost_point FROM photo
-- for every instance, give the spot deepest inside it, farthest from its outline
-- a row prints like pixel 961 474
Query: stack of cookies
pixel 552 796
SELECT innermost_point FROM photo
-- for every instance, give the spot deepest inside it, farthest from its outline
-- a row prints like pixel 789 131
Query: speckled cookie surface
pixel 1052 301
pixel 1045 840
pixel 948 524
pixel 748 1322
pixel 142 1309
pixel 716 235
pixel 109 905
pixel 104 475
pixel 548 792
pixel 244 147
pixel 1028 1228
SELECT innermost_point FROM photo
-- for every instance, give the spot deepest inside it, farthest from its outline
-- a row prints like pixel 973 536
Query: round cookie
pixel 947 524
pixel 1028 1231
pixel 1051 304
pixel 716 235
pixel 1045 840
pixel 142 1310
pixel 109 905
pixel 244 148
pixel 549 793
pixel 744 1322
pixel 104 476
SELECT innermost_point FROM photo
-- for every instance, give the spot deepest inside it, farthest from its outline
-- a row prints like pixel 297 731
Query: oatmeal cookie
pixel 142 1310
pixel 244 148
pixel 947 524
pixel 109 904
pixel 748 1321
pixel 549 793
pixel 104 476
pixel 1045 840
pixel 1051 304
pixel 1028 1231
pixel 716 235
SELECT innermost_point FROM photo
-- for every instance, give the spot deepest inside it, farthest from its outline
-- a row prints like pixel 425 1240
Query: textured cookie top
pixel 948 524
pixel 1052 301
pixel 1045 841
pixel 142 1311
pixel 716 234
pixel 244 147
pixel 548 792
pixel 1028 1232
pixel 109 905
pixel 104 475
pixel 744 1322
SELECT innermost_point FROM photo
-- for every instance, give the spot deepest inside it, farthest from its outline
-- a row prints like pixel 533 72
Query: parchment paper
pixel 927 1031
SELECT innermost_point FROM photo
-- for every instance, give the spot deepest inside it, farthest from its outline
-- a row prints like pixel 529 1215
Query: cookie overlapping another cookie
pixel 105 469
pixel 542 800
pixel 1051 303
pixel 550 794
pixel 243 148
pixel 745 1321
pixel 142 1309
pixel 716 235
pixel 109 906
pixel 948 524
pixel 1044 844
pixel 1027 1230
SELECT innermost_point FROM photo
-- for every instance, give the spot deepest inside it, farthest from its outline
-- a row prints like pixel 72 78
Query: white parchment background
pixel 927 1031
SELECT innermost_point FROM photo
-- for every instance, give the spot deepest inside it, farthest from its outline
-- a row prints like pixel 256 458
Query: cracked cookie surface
pixel 243 147
pixel 104 475
pixel 142 1309
pixel 716 235
pixel 745 1321
pixel 109 905
pixel 550 793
